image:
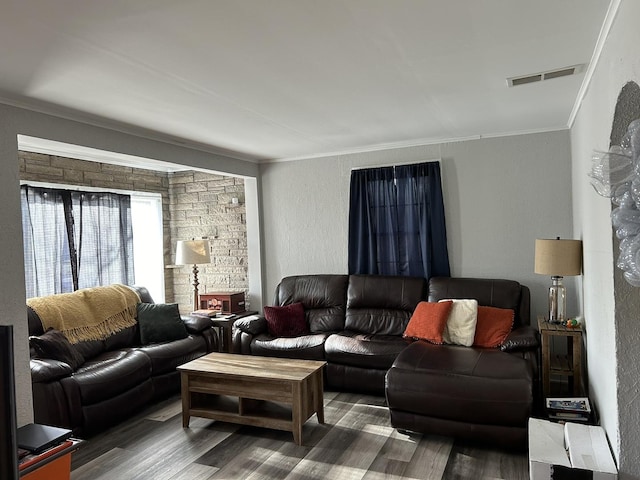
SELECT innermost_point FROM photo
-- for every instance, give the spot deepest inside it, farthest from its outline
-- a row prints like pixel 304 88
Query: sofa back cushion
pixel 322 296
pixel 125 338
pixel 143 293
pixel 382 304
pixel 35 325
pixel 54 345
pixel 507 294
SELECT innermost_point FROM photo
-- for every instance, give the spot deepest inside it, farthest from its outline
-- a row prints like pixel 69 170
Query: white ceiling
pixel 283 79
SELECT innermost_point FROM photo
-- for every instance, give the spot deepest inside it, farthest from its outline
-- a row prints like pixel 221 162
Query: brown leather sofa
pixel 356 324
pixel 118 377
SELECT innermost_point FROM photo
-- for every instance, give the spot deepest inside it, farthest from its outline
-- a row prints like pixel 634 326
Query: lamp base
pixel 557 301
pixel 196 296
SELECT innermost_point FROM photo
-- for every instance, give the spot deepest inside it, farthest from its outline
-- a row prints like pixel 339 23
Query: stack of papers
pixel 571 447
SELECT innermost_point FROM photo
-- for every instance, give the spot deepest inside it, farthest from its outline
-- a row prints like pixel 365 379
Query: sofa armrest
pixel 522 338
pixel 47 370
pixel 196 323
pixel 253 324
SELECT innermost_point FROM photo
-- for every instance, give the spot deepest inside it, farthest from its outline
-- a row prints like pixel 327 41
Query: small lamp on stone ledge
pixel 193 252
pixel 558 258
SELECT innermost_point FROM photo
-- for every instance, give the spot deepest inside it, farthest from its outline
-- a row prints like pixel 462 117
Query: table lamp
pixel 558 258
pixel 193 252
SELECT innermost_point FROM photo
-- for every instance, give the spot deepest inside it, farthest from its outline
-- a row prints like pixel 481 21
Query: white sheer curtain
pixel 46 244
pixel 75 239
pixel 103 236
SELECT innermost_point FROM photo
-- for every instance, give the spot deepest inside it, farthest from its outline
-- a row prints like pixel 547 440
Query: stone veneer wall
pixel 194 204
pixel 201 206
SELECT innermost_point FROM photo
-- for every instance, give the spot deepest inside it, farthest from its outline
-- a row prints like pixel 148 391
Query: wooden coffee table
pixel 251 390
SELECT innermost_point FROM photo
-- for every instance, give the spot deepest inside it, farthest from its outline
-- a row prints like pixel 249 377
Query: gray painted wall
pixel 500 195
pixel 14 121
pixel 610 307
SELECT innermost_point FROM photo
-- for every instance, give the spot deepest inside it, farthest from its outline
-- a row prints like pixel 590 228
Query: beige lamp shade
pixel 558 257
pixel 192 252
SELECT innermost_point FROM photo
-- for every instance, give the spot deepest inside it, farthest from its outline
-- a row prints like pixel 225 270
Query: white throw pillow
pixel 461 324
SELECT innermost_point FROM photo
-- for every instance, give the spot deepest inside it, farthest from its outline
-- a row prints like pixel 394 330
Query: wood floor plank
pixel 195 471
pixel 393 458
pixel 161 454
pixel 356 442
pixel 469 461
pixel 430 458
pixel 166 412
pixel 288 454
pixel 102 466
pixel 285 459
pixel 349 448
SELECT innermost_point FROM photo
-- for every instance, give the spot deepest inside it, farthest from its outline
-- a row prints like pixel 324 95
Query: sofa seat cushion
pixel 165 357
pixel 306 347
pixel 364 350
pixel 107 375
pixel 474 385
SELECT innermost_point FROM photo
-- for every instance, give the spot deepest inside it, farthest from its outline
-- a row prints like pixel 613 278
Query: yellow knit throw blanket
pixel 88 314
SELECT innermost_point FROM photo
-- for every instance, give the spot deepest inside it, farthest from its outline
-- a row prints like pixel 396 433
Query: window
pixel 77 239
pixel 146 215
pixel 396 221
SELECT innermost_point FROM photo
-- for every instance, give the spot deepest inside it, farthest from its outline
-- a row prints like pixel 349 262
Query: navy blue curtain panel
pixel 397 221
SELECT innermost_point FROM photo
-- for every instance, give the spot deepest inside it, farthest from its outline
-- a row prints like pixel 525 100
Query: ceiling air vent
pixel 538 77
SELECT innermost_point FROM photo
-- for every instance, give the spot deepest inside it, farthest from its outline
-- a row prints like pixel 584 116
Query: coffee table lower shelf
pixel 244 411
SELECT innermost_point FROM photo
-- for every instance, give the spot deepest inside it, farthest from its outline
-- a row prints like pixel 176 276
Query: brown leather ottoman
pixel 465 392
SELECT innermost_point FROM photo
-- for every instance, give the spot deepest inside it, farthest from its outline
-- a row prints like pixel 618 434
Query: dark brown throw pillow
pixel 160 322
pixel 286 321
pixel 54 345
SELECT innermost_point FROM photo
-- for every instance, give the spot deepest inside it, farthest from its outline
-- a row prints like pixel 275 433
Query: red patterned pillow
pixel 287 321
pixel 428 321
pixel 493 327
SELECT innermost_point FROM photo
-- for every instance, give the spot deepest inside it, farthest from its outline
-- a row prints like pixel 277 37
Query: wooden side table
pixel 226 329
pixel 225 325
pixel 569 365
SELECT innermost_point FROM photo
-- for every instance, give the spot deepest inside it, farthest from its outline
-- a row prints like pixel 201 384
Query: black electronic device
pixel 8 418
pixel 37 438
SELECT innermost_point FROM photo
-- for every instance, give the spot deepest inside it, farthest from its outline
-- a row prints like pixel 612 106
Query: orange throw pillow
pixel 493 327
pixel 428 321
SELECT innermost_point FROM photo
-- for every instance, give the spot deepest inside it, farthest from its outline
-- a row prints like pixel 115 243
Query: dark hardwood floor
pixel 356 442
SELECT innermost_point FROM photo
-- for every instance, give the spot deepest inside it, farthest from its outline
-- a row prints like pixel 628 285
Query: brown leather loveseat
pixel 356 324
pixel 115 376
